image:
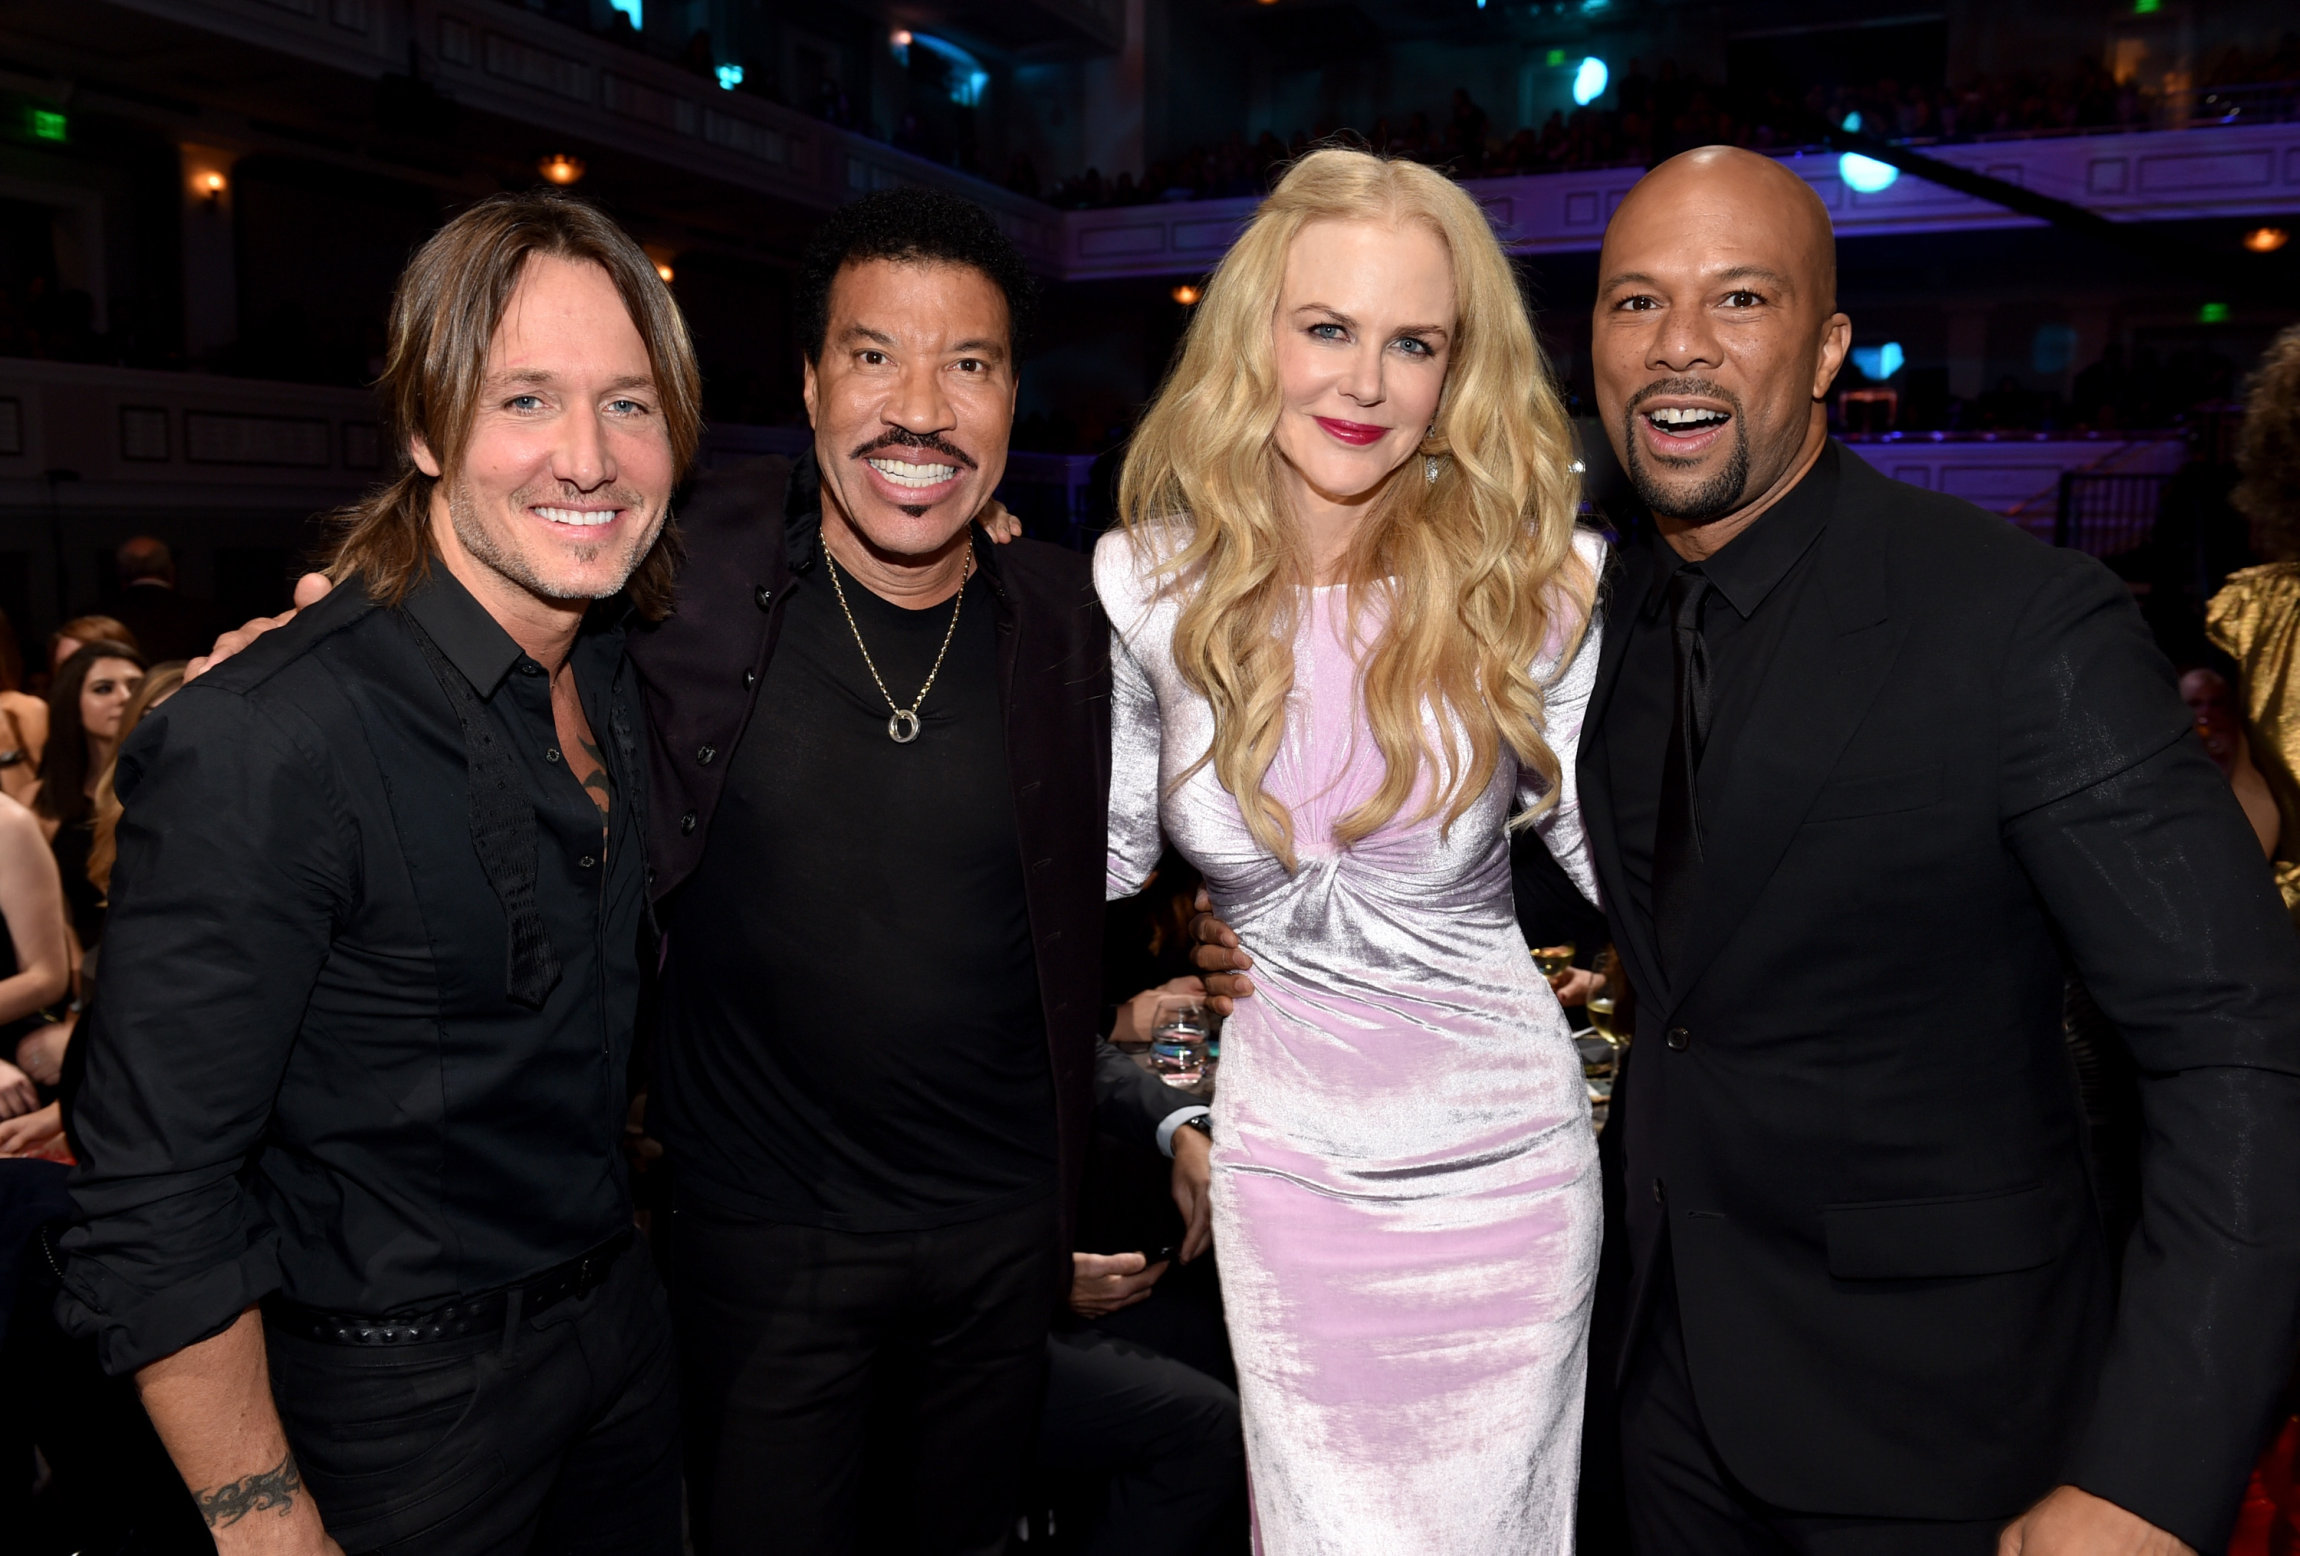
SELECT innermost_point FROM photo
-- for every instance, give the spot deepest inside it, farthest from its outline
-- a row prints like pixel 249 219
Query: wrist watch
pixel 1202 1122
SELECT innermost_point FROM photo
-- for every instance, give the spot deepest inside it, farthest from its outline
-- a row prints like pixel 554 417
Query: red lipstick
pixel 1355 433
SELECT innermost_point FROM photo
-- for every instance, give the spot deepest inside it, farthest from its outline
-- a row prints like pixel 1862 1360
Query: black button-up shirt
pixel 304 1072
pixel 1754 578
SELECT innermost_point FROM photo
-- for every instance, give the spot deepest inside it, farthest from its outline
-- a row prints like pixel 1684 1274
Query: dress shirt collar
pixel 1753 563
pixel 473 641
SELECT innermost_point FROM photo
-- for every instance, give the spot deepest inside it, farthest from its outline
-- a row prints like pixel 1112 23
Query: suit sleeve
pixel 233 870
pixel 1130 1102
pixel 2171 918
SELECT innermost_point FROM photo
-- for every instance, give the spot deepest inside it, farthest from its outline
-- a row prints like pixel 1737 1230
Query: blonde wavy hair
pixel 1476 569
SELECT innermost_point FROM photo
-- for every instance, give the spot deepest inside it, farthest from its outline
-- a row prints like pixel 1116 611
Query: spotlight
pixel 1186 295
pixel 1866 175
pixel 2266 240
pixel 900 38
pixel 1853 122
pixel 1589 80
pixel 730 77
pixel 560 168
pixel 664 271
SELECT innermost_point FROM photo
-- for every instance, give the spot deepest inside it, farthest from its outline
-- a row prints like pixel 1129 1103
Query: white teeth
pixel 902 473
pixel 1684 416
pixel 588 518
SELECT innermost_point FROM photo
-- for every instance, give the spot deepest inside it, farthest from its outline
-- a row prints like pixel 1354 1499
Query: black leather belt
pixel 482 1314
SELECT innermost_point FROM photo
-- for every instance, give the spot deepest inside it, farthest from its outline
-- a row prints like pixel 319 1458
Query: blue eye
pixel 1318 332
pixel 1415 346
pixel 524 402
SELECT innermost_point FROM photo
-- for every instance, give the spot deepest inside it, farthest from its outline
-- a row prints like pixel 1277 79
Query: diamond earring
pixel 1429 468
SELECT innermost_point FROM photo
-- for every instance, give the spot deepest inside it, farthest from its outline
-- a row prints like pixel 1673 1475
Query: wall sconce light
pixel 560 168
pixel 2266 240
pixel 1186 294
pixel 900 38
pixel 664 271
pixel 212 185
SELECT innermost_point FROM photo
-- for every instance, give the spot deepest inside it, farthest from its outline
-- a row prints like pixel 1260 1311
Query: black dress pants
pixel 852 1391
pixel 558 1436
pixel 1166 1435
pixel 1683 1501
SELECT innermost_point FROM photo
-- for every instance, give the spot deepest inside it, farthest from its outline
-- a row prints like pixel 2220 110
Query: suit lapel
pixel 1832 656
pixel 1627 577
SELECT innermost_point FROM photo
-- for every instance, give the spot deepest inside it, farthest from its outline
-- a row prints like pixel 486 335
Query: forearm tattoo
pixel 273 1488
pixel 595 781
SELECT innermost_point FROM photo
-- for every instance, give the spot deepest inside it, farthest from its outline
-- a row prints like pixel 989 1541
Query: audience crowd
pixel 1651 117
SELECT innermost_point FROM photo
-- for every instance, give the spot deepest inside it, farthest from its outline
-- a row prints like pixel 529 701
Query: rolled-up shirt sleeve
pixel 236 863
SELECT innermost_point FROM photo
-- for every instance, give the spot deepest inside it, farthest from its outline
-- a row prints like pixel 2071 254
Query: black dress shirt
pixel 304 1071
pixel 1755 580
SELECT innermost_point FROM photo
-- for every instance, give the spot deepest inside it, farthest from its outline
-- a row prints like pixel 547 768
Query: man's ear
pixel 1836 341
pixel 807 387
pixel 425 461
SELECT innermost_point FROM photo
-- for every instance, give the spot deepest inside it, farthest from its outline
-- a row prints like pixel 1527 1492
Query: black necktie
pixel 1677 831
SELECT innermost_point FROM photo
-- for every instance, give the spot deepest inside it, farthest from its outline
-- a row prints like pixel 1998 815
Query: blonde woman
pixel 1353 643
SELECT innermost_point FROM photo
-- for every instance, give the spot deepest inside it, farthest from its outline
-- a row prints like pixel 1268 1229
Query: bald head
pixel 1716 338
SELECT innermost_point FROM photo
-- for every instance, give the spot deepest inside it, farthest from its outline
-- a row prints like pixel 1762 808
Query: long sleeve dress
pixel 1406 1196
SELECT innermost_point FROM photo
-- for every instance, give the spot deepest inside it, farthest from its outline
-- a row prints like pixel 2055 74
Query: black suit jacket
pixel 1849 1110
pixel 746 531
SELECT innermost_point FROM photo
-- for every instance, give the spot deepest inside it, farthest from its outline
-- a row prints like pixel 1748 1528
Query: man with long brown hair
pixel 350 1130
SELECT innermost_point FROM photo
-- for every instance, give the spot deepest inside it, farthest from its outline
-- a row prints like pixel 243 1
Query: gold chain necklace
pixel 903 726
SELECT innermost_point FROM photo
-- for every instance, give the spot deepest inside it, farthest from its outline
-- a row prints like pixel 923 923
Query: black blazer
pixel 1850 1110
pixel 746 532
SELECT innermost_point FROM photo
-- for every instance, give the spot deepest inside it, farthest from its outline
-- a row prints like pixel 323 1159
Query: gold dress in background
pixel 2255 620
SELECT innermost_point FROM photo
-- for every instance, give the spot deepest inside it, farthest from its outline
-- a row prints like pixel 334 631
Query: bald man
pixel 1870 773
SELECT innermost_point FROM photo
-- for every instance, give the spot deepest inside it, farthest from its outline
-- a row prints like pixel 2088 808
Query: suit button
pixel 704 756
pixel 585 863
pixel 763 595
pixel 1660 1194
pixel 750 679
pixel 1677 1038
pixel 686 823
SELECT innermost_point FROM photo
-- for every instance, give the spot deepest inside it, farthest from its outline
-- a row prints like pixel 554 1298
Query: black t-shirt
pixel 853 1037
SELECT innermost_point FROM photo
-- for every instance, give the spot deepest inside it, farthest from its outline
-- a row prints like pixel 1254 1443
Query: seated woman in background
pixel 2255 618
pixel 85 705
pixel 35 959
pixel 40 1048
pixel 23 722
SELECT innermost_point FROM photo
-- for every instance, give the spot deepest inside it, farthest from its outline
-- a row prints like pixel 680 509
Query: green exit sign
pixel 1556 57
pixel 48 124
pixel 2212 313
pixel 2146 7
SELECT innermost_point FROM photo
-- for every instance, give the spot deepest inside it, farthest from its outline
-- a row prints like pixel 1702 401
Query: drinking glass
pixel 1179 1035
pixel 1552 959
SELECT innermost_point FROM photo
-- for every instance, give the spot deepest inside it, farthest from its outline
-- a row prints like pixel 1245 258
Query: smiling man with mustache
pixel 880 756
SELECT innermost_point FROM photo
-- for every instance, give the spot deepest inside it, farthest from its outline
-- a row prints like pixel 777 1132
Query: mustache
pixel 1687 386
pixel 903 437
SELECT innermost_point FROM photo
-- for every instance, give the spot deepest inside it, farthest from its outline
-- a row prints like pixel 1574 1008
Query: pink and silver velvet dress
pixel 1406 1202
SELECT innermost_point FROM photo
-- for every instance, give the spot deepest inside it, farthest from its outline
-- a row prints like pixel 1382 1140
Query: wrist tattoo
pixel 273 1488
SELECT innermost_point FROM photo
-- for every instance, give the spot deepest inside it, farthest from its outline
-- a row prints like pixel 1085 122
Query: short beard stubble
pixel 481 542
pixel 1714 498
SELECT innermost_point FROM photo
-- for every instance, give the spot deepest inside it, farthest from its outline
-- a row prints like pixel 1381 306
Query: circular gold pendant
pixel 902 728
